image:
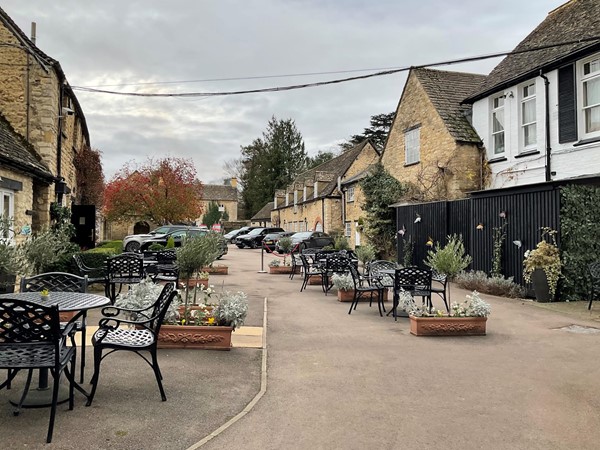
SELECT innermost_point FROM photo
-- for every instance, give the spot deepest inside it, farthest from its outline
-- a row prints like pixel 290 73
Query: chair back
pixel 305 263
pixel 125 266
pixel 375 268
pixel 95 274
pixel 411 278
pixel 439 277
pixel 161 306
pixel 166 256
pixel 25 323
pixel 337 263
pixel 54 281
pixel 355 275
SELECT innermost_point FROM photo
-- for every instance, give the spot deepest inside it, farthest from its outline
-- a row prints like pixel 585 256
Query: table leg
pixel 40 397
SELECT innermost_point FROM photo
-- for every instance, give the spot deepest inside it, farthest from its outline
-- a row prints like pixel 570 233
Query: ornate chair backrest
pixel 91 272
pixel 24 323
pixel 305 263
pixel 166 256
pixel 375 269
pixel 355 275
pixel 439 277
pixel 410 278
pixel 126 265
pixel 54 281
pixel 337 263
pixel 161 306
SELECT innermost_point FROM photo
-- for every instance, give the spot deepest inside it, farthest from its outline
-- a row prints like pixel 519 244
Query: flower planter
pixel 348 296
pixel 194 282
pixel 540 286
pixel 195 337
pixel 447 326
pixel 216 270
pixel 282 270
pixel 316 280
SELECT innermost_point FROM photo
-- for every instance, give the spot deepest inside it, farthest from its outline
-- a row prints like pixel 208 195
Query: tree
pixel 213 215
pixel 320 158
pixel 89 177
pixel 162 191
pixel 271 162
pixel 381 190
pixel 376 133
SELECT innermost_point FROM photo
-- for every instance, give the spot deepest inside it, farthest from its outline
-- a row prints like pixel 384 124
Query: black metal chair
pixel 335 263
pixel 126 268
pixel 31 338
pixel 594 271
pixel 63 282
pixel 166 269
pixel 440 287
pixel 95 275
pixel 375 270
pixel 414 280
pixel 360 289
pixel 115 333
pixel 308 270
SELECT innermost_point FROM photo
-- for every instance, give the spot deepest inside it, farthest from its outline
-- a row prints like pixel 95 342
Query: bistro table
pixel 66 301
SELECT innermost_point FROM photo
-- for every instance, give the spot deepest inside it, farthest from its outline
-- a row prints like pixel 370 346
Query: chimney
pixel 234 182
pixel 33 25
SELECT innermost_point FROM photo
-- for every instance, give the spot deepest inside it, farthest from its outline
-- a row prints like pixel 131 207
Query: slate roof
pixel 337 166
pixel 215 192
pixel 264 213
pixel 359 176
pixel 446 90
pixel 15 152
pixel 575 20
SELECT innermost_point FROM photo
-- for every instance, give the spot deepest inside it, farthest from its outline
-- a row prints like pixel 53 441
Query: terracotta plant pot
pixel 216 270
pixel 195 337
pixel 448 326
pixel 348 296
pixel 66 315
pixel 282 270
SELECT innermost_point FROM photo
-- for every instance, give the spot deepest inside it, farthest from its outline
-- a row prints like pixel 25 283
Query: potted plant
pixel 542 266
pixel 344 285
pixel 468 318
pixel 449 260
pixel 207 323
pixel 365 254
pixel 276 267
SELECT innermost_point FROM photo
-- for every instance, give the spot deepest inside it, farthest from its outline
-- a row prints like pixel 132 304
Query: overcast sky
pixel 125 45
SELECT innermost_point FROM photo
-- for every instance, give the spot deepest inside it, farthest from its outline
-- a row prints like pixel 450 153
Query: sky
pixel 177 46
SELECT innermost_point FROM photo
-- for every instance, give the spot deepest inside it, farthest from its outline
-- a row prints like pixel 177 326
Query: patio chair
pixel 335 263
pixel 414 280
pixel 308 271
pixel 126 268
pixel 360 289
pixel 31 338
pixel 594 270
pixel 62 282
pixel 440 287
pixel 94 274
pixel 115 333
pixel 166 267
pixel 375 268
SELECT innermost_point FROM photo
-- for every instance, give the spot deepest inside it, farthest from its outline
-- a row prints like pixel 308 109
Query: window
pixel 7 210
pixel 350 195
pixel 590 92
pixel 498 125
pixel 412 147
pixel 348 230
pixel 528 117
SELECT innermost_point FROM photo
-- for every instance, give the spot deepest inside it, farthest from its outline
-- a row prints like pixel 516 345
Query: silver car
pixel 133 242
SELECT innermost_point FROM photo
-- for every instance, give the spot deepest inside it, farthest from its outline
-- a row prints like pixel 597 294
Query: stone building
pixel 315 200
pixel 431 144
pixel 263 217
pixel 225 195
pixel 40 106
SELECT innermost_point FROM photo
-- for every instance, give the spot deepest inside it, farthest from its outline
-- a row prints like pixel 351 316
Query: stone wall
pixel 447 169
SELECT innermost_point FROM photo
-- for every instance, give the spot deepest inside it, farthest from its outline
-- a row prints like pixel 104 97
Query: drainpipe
pixel 59 197
pixel 323 213
pixel 547 120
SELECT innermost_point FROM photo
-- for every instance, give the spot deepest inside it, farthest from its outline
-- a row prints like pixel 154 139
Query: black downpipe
pixel 547 120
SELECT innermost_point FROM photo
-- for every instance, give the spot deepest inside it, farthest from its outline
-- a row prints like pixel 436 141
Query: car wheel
pixel 240 245
pixel 253 244
pixel 132 246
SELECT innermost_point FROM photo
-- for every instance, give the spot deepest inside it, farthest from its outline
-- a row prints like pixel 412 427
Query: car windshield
pixel 302 235
pixel 231 233
pixel 255 232
pixel 161 230
pixel 177 234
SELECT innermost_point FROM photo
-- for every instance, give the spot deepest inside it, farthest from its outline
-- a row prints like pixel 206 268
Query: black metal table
pixel 66 302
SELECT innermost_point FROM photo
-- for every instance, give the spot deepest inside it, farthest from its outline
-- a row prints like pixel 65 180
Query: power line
pixel 337 81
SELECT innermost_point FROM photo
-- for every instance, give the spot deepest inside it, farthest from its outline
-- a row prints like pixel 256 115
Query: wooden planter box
pixel 282 270
pixel 348 296
pixel 216 270
pixel 448 326
pixel 195 337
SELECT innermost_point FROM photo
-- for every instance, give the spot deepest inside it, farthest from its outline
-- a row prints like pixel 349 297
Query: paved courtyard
pixel 343 381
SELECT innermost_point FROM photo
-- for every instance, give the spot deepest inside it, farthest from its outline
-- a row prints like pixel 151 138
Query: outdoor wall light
pixel 479 226
pixel 401 231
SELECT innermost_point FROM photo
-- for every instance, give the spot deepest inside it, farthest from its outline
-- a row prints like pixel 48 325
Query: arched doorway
pixel 141 228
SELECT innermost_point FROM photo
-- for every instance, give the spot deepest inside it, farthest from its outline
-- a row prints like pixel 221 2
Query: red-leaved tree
pixel 162 191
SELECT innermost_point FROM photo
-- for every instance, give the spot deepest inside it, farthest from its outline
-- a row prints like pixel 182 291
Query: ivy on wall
pixel 579 222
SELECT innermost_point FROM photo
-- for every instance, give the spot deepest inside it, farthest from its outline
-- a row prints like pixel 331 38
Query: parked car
pixel 232 234
pixel 133 242
pixel 243 230
pixel 270 240
pixel 255 237
pixel 312 239
pixel 179 236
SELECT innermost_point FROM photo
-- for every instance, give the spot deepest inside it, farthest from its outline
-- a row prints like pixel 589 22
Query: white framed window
pixel 412 146
pixel 527 115
pixel 497 141
pixel 348 230
pixel 287 199
pixel 7 210
pixel 350 194
pixel 590 97
pixel 356 234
